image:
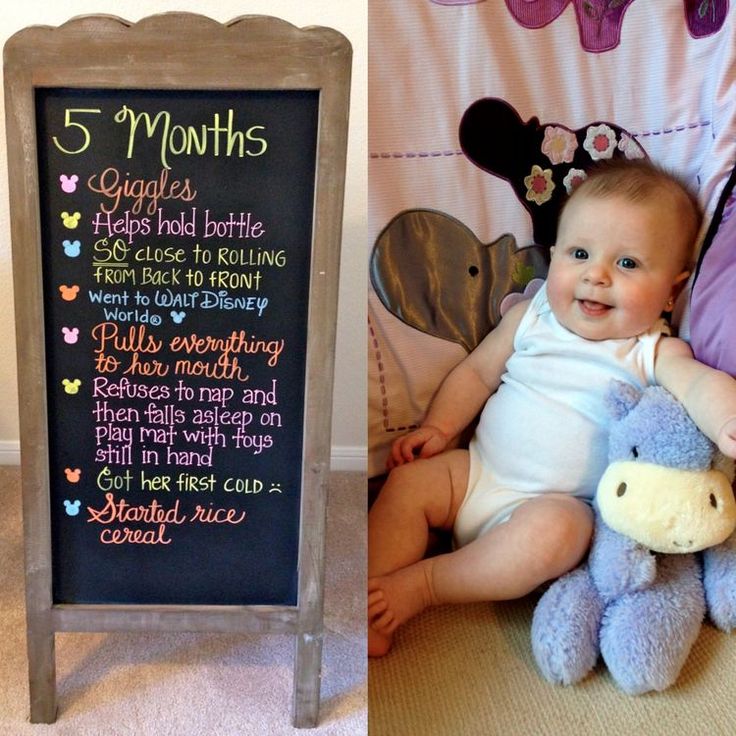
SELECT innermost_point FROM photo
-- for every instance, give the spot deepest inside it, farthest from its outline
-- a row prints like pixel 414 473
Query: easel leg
pixel 42 675
pixel 307 678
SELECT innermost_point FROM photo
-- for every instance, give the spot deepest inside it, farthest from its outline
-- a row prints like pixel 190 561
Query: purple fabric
pixel 705 17
pixel 599 20
pixel 536 13
pixel 713 303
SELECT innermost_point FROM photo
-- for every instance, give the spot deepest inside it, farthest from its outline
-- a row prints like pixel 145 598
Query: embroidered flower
pixel 559 144
pixel 630 147
pixel 600 142
pixel 573 179
pixel 539 185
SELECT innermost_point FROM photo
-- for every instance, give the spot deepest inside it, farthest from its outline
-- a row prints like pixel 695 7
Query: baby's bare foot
pixel 379 642
pixel 395 598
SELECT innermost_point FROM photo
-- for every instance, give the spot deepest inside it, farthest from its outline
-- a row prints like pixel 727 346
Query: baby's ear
pixel 679 282
pixel 622 398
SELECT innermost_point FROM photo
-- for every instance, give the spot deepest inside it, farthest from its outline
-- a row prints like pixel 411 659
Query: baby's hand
pixel 423 442
pixel 727 438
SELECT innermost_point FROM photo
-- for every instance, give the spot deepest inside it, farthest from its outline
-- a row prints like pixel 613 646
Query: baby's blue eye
pixel 628 263
pixel 580 254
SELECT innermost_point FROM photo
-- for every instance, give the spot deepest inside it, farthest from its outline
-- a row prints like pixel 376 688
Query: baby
pixel 518 500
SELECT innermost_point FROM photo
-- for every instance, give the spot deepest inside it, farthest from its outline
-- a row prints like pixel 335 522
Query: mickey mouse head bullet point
pixel 72 507
pixel 69 293
pixel 72 248
pixel 73 475
pixel 71 334
pixel 69 183
pixel 70 220
pixel 71 386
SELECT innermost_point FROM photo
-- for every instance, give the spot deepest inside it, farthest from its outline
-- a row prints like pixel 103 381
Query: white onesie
pixel 546 428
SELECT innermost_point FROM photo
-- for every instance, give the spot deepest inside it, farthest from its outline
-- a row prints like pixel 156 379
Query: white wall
pixel 350 18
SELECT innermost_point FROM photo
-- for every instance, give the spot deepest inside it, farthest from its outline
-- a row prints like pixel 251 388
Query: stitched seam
pixel 385 155
pixel 676 129
pixel 415 154
pixel 382 381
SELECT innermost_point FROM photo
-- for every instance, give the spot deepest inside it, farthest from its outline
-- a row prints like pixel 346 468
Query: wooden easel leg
pixel 42 675
pixel 307 678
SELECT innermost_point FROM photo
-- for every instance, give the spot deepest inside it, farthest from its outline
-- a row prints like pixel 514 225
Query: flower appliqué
pixel 559 144
pixel 573 179
pixel 539 185
pixel 600 142
pixel 630 148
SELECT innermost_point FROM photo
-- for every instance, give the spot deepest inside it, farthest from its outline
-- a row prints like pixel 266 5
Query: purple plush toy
pixel 634 603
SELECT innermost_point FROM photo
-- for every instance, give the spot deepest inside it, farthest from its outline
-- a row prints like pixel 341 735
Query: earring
pixel 669 304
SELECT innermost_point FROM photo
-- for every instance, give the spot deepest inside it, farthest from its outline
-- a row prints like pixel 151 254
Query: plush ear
pixel 622 398
pixel 429 270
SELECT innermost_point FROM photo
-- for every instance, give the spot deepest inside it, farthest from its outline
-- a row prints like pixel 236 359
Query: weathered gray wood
pixel 216 619
pixel 170 51
pixel 24 206
pixel 41 672
pixel 307 662
pixel 321 331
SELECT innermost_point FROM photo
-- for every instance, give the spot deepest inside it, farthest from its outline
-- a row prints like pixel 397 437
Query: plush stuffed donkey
pixel 640 599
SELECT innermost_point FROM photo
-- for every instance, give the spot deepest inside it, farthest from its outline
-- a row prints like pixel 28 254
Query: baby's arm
pixel 462 394
pixel 708 395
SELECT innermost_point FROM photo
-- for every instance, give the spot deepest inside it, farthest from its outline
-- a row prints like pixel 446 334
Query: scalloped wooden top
pixel 176 50
pixel 249 29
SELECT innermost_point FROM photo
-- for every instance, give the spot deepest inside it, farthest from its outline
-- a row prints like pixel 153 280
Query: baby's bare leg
pixel 417 497
pixel 544 538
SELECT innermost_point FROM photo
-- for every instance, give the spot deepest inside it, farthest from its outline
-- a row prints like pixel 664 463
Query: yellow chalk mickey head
pixel 70 221
pixel 71 387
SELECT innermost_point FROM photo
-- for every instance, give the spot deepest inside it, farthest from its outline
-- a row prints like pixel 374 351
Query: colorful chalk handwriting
pixel 177 234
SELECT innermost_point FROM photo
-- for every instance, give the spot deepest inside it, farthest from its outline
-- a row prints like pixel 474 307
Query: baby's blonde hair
pixel 641 180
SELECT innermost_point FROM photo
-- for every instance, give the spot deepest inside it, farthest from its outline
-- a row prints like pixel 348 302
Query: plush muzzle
pixel 667 509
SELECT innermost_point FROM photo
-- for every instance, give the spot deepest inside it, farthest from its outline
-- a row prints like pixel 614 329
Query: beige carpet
pixel 192 684
pixel 467 670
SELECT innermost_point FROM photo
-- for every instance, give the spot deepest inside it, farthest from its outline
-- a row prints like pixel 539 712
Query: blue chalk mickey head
pixel 72 248
pixel 72 507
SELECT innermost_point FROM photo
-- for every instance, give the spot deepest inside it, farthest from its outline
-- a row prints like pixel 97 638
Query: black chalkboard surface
pixel 176 230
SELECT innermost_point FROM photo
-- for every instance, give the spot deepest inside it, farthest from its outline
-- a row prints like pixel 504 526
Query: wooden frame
pixel 174 51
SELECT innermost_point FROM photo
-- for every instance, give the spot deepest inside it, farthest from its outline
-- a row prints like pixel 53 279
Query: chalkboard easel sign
pixel 176 201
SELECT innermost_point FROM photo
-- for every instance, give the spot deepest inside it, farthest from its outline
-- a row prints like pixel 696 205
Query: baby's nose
pixel 597 274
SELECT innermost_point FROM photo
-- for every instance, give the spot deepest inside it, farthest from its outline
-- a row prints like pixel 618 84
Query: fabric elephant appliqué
pixel 641 597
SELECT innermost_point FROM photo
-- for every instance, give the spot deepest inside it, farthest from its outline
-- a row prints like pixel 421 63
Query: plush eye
pixel 473 271
pixel 713 501
pixel 635 452
pixel 621 490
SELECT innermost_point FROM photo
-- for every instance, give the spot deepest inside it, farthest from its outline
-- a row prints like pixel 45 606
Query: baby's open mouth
pixel 593 309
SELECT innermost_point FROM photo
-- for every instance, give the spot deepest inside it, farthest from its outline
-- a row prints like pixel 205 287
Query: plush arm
pixel 618 564
pixel 719 580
